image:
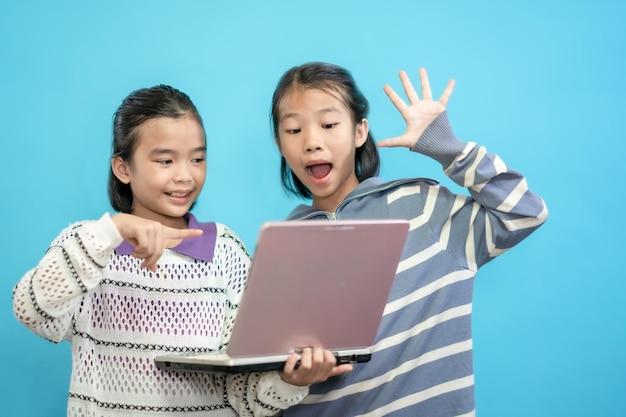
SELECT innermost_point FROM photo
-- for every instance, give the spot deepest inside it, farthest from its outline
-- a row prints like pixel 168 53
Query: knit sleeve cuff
pixel 100 238
pixel 439 142
pixel 105 228
pixel 278 393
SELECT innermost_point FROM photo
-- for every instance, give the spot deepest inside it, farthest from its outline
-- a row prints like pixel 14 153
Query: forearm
pixel 502 210
pixel 46 296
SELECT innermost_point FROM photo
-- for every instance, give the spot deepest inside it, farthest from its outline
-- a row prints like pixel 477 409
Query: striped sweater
pixel 422 363
pixel 89 290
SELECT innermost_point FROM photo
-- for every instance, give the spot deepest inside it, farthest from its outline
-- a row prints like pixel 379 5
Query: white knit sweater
pixel 118 317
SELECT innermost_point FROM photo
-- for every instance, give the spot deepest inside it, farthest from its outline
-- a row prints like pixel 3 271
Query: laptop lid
pixel 311 283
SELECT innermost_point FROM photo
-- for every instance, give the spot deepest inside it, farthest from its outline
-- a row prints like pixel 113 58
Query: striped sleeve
pixel 499 212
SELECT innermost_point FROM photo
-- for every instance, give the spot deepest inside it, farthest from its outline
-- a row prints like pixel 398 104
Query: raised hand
pixel 150 237
pixel 315 365
pixel 419 113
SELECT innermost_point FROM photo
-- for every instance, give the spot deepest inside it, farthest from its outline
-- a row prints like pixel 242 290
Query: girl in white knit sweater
pixel 150 280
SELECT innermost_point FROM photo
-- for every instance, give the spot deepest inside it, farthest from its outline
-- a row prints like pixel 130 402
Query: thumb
pixel 395 142
pixel 340 369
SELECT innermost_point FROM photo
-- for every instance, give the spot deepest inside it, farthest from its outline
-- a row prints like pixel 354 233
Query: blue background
pixel 541 83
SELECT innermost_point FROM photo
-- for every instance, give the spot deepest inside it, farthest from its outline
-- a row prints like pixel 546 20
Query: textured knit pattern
pixel 422 361
pixel 119 316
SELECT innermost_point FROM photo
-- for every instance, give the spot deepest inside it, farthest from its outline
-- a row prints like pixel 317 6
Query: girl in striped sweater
pixel 422 360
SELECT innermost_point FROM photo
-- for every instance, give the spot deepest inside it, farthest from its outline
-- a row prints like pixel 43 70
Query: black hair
pixel 137 108
pixel 332 79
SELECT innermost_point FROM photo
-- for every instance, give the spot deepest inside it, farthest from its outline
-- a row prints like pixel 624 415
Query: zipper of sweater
pixel 326 214
pixel 333 215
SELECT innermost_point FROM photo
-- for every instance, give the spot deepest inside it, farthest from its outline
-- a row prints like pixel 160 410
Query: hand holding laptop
pixel 311 366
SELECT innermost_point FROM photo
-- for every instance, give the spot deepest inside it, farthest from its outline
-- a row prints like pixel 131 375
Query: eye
pixel 164 161
pixel 329 125
pixel 198 160
pixel 293 131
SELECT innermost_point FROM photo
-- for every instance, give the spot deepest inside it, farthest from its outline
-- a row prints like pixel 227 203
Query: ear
pixel 361 132
pixel 120 169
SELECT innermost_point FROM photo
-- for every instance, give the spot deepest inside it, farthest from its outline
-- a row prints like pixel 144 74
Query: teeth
pixel 179 194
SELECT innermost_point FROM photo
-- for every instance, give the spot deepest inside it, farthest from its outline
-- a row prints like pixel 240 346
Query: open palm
pixel 419 113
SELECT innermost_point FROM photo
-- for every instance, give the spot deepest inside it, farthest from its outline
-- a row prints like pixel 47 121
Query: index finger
pixel 172 237
pixel 171 233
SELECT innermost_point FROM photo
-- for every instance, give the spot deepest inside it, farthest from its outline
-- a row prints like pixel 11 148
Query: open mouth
pixel 319 171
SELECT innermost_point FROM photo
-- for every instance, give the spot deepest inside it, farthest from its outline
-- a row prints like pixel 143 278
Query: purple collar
pixel 200 248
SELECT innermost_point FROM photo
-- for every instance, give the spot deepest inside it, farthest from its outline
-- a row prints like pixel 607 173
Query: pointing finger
pixel 172 237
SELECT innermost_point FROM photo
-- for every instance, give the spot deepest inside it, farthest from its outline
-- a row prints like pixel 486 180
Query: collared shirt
pixel 200 248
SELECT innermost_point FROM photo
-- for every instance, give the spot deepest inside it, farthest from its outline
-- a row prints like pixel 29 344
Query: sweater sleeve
pixel 46 296
pixel 257 393
pixel 499 213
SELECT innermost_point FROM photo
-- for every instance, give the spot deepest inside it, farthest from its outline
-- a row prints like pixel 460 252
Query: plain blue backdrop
pixel 541 83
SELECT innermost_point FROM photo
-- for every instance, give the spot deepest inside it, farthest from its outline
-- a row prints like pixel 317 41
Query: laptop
pixel 311 283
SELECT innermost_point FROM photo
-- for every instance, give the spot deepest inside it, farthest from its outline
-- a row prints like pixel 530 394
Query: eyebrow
pixel 166 151
pixel 320 111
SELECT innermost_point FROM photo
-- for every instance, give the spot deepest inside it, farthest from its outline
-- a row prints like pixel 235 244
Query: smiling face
pixel 318 138
pixel 167 170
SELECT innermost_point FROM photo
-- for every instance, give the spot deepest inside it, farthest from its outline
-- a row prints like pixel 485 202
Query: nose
pixel 312 142
pixel 183 174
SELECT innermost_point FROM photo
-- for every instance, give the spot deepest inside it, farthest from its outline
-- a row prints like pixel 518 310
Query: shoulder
pixel 227 236
pixel 225 231
pixel 101 230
